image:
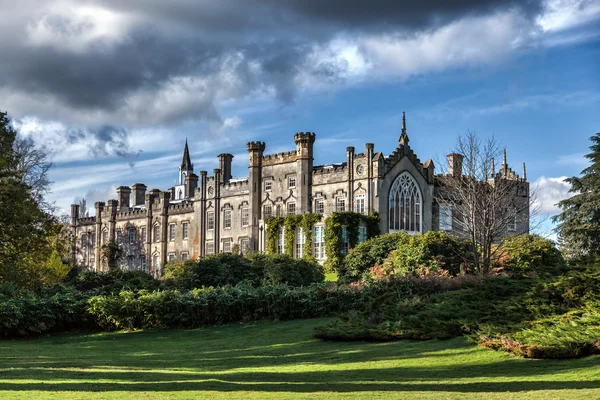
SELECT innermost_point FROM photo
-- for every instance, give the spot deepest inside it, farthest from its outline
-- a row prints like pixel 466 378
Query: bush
pixel 432 252
pixel 369 253
pixel 25 313
pixel 288 270
pixel 232 269
pixel 522 254
pixel 111 282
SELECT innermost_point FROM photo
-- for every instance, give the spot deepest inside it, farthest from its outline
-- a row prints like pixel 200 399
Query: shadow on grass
pixel 247 358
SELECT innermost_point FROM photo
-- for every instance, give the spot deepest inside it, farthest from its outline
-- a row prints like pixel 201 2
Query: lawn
pixel 277 360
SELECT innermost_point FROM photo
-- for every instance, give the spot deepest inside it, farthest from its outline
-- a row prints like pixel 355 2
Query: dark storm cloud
pixel 169 39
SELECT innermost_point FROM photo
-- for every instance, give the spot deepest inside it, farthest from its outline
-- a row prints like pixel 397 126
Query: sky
pixel 112 89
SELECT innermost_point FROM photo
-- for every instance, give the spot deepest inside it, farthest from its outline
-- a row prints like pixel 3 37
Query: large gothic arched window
pixel 405 205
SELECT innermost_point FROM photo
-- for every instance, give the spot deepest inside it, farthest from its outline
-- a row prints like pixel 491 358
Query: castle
pixel 205 214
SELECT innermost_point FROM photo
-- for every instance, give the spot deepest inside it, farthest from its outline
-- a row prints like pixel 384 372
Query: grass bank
pixel 278 360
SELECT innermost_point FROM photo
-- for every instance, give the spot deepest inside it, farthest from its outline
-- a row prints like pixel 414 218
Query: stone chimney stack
pixel 224 166
pixel 139 194
pixel 191 183
pixel 455 164
pixel 123 196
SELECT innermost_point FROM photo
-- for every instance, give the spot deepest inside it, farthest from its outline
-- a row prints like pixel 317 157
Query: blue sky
pixel 113 91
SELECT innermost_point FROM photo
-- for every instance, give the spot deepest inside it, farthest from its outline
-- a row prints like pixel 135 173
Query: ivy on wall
pixel 334 224
pixel 290 224
pixel 334 244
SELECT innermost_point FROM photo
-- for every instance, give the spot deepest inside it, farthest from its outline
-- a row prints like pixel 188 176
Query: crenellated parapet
pixel 280 158
pixel 86 221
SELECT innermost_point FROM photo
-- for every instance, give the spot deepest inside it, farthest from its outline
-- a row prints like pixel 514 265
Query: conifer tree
pixel 579 223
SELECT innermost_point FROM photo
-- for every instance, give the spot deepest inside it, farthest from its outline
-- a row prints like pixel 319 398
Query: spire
pixel 493 167
pixel 403 135
pixel 524 172
pixel 504 159
pixel 186 162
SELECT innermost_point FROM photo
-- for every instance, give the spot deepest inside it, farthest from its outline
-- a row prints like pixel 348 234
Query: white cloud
pixel 564 14
pixel 549 191
pixel 77 27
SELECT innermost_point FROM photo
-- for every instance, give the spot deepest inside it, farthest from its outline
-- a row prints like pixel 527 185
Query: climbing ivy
pixel 273 225
pixel 290 224
pixel 333 234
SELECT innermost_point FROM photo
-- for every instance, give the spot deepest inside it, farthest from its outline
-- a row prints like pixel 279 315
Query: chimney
pixel 191 183
pixel 139 194
pixel 123 196
pixel 225 166
pixel 455 163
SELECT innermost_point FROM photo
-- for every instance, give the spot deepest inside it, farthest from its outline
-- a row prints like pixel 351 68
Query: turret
pixel 225 166
pixel 455 164
pixel 123 194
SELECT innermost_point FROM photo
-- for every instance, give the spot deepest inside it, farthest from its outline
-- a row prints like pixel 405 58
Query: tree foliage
pixel 24 226
pixel 579 223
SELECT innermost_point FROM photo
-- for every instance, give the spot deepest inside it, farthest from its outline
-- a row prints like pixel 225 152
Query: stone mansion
pixel 206 214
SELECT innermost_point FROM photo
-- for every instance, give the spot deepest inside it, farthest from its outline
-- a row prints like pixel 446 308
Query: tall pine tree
pixel 579 223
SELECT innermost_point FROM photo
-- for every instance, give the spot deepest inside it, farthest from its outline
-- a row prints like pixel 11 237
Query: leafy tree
pixel 579 223
pixel 24 225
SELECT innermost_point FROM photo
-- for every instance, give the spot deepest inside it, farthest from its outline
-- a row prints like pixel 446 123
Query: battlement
pixel 86 221
pixel 280 158
pixel 132 213
pixel 181 208
pixel 255 146
pixel 330 168
pixel 304 137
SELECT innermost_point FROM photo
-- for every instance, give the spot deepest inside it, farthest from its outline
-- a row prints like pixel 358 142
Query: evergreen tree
pixel 24 226
pixel 579 223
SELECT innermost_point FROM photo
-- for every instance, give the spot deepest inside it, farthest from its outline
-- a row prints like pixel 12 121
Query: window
pixel 130 264
pixel 362 234
pixel 320 206
pixel 105 237
pixel 278 211
pixel 245 246
pixel 119 236
pixel 340 204
pixel 227 246
pixel 292 182
pixel 156 233
pixel 280 241
pixel 227 219
pixel 172 232
pixel 210 247
pixel 131 235
pixel 405 205
pixel 143 261
pixel 267 211
pixel 84 241
pixel 445 217
pixel 155 263
pixel 345 240
pixel 93 240
pixel 319 242
pixel 210 220
pixel 268 185
pixel 360 203
pixel 185 227
pixel 291 208
pixel 245 217
pixel 300 239
pixel 511 224
pixel 171 257
pixel 143 235
pixel 184 256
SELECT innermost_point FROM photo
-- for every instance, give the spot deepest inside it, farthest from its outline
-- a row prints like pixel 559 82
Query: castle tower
pixel 304 166
pixel 255 156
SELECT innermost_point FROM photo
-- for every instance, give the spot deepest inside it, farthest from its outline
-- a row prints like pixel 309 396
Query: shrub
pixel 432 252
pixel 25 313
pixel 373 251
pixel 111 282
pixel 288 270
pixel 522 254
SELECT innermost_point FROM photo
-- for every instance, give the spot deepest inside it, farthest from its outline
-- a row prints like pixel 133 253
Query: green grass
pixel 331 277
pixel 278 360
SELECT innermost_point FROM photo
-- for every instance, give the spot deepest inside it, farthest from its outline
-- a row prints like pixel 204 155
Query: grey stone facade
pixel 210 214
